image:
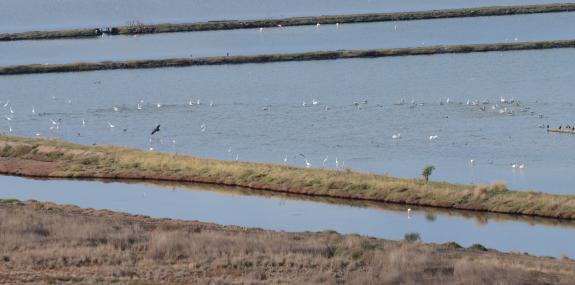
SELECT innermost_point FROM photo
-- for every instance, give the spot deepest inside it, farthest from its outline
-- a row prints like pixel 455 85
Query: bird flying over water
pixel 157 129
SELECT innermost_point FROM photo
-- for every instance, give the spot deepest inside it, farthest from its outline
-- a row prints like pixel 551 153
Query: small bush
pixel 478 247
pixel 427 171
pixel 499 186
pixel 412 237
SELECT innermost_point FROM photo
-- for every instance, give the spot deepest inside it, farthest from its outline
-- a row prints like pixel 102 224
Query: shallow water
pixel 476 30
pixel 241 125
pixel 28 15
pixel 229 206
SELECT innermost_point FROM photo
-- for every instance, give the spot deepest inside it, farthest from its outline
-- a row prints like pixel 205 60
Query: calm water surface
pixel 246 208
pixel 477 30
pixel 27 15
pixel 258 114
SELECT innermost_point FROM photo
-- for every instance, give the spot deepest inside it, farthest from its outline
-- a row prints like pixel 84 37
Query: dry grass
pixel 72 160
pixel 43 243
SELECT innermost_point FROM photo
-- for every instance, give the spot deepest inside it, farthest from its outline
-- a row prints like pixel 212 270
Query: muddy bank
pixel 67 160
pixel 266 58
pixel 295 21
pixel 45 243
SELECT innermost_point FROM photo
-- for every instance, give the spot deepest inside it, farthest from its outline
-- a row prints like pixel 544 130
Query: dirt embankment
pixel 267 58
pixel 45 243
pixel 295 21
pixel 67 160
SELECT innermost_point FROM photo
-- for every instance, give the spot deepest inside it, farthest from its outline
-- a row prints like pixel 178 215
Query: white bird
pixel 190 103
pixel 307 164
pixel 230 149
pixel 159 105
pixel 211 103
pixel 203 127
pixel 279 25
pixel 337 25
pixel 139 106
pixel 198 102
pixel 513 165
pixel 10 128
pixel 314 102
pixel 115 109
pixel 33 110
pixel 11 111
pixel 110 125
pixel 304 104
pixel 261 29
pixel 434 137
pixel 83 123
pixel 54 122
pixel 409 213
pixel 336 163
pixel 6 104
pixel 396 136
pixel 472 162
pixel 317 25
pixel 325 160
pixel 285 159
pixel 448 100
pixel 237 157
pixel 8 118
pixel 395 27
pixel 522 166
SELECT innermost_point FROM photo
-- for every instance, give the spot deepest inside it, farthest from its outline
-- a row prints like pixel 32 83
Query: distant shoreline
pixel 294 21
pixel 51 158
pixel 284 57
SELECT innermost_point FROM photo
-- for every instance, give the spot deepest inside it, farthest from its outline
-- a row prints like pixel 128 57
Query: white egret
pixel 433 137
pixel 110 125
pixel 307 164
pixel 325 160
pixel 396 136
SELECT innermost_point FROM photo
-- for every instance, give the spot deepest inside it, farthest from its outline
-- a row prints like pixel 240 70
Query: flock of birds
pixel 503 106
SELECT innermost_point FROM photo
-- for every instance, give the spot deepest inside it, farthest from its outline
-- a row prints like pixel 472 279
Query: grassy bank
pixel 49 158
pixel 297 21
pixel 266 58
pixel 44 243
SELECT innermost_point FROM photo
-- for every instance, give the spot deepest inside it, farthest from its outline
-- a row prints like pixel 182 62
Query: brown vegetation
pixel 44 243
pixel 140 28
pixel 67 160
pixel 266 58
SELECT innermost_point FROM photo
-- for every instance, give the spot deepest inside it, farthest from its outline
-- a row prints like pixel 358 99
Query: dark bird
pixel 157 129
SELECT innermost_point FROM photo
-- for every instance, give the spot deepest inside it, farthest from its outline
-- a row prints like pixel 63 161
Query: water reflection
pixel 233 206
